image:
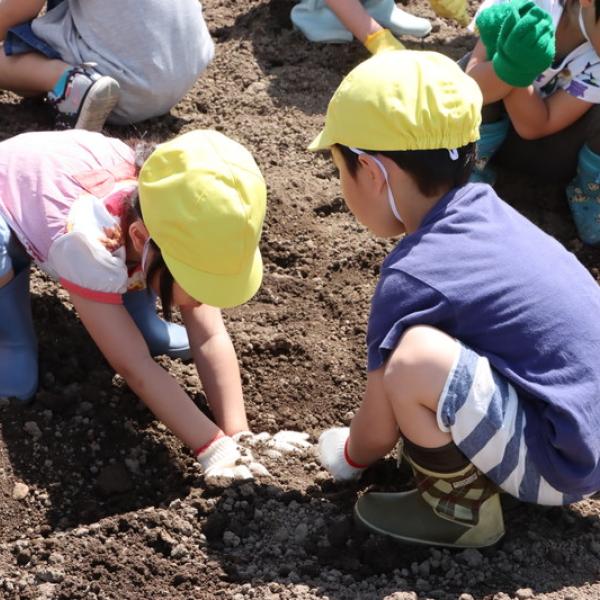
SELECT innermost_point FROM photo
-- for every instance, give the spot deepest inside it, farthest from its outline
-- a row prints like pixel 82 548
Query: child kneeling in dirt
pixel 483 337
pixel 538 67
pixel 373 22
pixel 69 200
pixel 97 60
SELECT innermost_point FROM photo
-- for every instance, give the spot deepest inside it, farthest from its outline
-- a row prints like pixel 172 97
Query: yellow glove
pixel 451 9
pixel 382 41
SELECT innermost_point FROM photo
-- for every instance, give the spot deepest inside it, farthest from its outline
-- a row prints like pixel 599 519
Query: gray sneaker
pixel 87 100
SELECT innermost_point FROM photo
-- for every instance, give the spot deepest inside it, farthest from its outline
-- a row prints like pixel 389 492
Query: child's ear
pixel 373 171
pixel 138 234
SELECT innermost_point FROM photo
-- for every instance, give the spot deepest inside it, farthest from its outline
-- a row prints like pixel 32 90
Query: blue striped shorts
pixel 482 412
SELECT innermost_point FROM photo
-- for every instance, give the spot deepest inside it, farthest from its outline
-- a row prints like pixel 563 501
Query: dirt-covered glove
pixel 489 21
pixel 333 454
pixel 283 442
pixel 382 41
pixel 525 45
pixel 451 9
pixel 223 462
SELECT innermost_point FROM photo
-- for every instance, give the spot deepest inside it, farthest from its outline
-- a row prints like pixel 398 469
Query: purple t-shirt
pixel 485 275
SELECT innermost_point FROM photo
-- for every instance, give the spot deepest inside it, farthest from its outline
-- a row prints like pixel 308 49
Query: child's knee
pixel 422 360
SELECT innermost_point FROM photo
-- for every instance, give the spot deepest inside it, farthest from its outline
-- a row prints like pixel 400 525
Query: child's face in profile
pixel 590 23
pixel 180 297
pixel 365 194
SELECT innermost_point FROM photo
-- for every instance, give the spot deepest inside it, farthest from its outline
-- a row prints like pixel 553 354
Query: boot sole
pixel 97 104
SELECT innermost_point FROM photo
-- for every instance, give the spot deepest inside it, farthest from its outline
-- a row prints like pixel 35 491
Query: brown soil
pixel 116 508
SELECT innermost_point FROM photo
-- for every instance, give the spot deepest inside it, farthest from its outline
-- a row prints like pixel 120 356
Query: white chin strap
pixel 390 195
pixel 145 254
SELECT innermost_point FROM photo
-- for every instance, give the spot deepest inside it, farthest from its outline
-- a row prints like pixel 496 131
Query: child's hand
pixel 489 23
pixel 382 41
pixel 333 454
pixel 223 462
pixel 525 45
pixel 451 9
pixel 283 442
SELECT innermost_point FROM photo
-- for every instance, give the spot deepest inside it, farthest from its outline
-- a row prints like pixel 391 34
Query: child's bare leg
pixel 354 17
pixel 415 377
pixel 14 12
pixel 403 396
pixel 30 73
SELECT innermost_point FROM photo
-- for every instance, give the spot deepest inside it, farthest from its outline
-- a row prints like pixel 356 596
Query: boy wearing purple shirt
pixel 483 337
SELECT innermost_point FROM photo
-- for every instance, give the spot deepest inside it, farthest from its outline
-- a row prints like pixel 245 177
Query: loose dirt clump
pixel 99 501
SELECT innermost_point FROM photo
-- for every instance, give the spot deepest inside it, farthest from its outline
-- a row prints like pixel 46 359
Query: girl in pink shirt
pixel 187 225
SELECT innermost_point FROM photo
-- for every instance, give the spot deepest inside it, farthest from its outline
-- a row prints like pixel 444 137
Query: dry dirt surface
pixel 98 501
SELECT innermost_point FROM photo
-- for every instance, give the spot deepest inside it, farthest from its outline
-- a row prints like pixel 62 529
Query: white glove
pixel 333 454
pixel 283 442
pixel 223 462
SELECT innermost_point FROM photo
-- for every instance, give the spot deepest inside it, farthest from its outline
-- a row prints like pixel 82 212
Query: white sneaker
pixel 87 100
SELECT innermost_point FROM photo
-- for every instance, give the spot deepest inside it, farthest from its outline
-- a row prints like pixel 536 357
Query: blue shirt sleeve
pixel 401 301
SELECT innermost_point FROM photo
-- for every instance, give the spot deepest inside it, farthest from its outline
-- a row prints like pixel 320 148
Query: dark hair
pixel 432 170
pixel 157 266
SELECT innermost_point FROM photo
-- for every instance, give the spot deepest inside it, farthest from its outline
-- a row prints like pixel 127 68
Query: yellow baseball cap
pixel 403 100
pixel 203 200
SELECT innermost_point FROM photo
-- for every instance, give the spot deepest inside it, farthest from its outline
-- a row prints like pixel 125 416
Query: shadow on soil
pixel 262 534
pixel 305 74
pixel 85 446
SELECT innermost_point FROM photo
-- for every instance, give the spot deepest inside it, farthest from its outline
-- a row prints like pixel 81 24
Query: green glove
pixel 525 44
pixel 489 22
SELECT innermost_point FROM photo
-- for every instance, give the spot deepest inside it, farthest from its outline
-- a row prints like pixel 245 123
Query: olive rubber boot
pixel 459 509
pixel 18 343
pixel 162 337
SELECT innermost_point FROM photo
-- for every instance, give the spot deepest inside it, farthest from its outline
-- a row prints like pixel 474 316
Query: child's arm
pixel 534 117
pixel 482 71
pixel 346 453
pixel 217 366
pixel 354 17
pixel 123 346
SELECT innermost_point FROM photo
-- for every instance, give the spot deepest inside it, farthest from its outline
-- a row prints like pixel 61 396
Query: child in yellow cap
pixel 483 336
pixel 187 225
pixel 373 22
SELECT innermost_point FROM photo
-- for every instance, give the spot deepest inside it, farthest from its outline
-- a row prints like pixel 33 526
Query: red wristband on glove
pixel 349 460
pixel 219 435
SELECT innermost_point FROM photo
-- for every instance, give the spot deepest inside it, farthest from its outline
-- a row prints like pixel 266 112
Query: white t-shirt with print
pixel 578 73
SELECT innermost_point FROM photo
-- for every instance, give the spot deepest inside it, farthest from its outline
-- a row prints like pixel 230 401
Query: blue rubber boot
pixel 162 337
pixel 491 136
pixel 319 23
pixel 18 343
pixel 398 21
pixel 583 194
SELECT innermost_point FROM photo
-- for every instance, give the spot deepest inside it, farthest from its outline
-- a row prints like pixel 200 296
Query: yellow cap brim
pixel 321 142
pixel 222 291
